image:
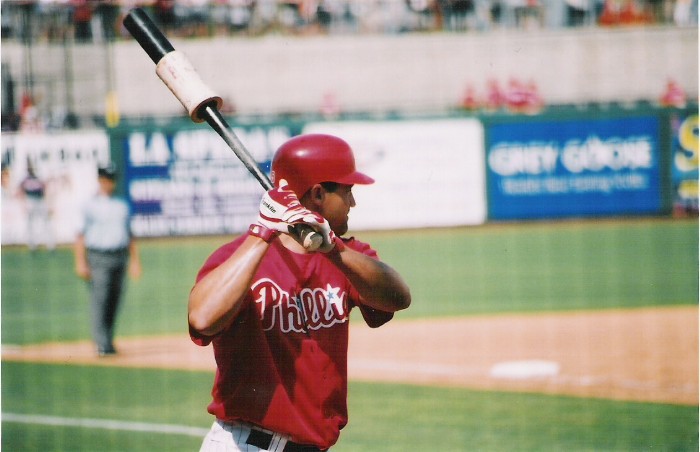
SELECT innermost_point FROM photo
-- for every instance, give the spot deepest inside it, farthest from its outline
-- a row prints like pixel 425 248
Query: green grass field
pixel 467 271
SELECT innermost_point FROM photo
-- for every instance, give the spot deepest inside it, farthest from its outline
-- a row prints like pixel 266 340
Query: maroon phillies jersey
pixel 282 362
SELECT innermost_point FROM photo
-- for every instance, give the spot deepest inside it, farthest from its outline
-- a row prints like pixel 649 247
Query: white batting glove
pixel 280 209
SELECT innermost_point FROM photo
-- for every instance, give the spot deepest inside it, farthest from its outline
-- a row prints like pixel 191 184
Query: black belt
pixel 262 440
pixel 109 251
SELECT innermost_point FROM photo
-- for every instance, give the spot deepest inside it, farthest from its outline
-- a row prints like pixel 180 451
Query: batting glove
pixel 280 210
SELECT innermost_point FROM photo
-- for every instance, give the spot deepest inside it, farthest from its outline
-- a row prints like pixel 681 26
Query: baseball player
pixel 278 316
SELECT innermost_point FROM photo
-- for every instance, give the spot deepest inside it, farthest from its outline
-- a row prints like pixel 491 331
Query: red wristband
pixel 262 232
pixel 339 245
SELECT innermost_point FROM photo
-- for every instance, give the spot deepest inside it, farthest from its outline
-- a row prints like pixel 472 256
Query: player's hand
pixel 83 271
pixel 135 270
pixel 280 210
pixel 329 238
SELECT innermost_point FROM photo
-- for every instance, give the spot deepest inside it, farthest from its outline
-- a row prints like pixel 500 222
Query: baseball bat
pixel 200 101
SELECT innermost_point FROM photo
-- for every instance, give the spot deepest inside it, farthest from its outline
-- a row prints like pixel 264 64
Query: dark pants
pixel 107 269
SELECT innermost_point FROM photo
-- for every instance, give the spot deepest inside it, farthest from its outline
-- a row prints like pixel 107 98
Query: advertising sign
pixel 188 182
pixel 428 173
pixel 66 164
pixel 571 168
pixel 685 164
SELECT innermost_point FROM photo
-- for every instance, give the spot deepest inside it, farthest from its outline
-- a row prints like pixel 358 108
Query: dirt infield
pixel 646 354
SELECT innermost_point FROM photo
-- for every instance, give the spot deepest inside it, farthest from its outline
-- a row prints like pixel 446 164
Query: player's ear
pixel 316 195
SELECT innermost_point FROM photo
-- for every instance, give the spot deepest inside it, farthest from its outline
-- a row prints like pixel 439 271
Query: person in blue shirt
pixel 104 250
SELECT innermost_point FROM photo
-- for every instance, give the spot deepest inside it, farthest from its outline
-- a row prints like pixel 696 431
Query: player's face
pixel 336 208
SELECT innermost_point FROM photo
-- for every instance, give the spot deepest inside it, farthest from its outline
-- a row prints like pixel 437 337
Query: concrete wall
pixel 417 72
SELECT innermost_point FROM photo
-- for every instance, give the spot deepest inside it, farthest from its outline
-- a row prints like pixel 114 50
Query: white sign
pixel 67 164
pixel 428 173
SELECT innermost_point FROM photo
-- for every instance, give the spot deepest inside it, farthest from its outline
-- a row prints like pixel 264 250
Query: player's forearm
pixel 133 251
pixel 218 297
pixel 380 286
pixel 134 260
pixel 80 255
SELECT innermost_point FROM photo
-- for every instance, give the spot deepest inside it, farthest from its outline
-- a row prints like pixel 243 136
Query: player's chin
pixel 340 229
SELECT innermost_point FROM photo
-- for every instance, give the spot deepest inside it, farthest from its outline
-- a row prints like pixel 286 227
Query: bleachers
pixel 298 66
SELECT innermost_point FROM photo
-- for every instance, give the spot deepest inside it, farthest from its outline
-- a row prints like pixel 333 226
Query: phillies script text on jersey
pixel 311 308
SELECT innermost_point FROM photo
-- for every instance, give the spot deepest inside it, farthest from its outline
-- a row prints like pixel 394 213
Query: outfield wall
pixel 416 72
pixel 441 171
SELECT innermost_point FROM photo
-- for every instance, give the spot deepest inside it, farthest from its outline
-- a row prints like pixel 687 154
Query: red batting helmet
pixel 306 160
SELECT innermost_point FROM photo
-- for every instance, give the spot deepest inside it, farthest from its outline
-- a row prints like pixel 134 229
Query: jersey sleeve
pixel 217 258
pixel 374 318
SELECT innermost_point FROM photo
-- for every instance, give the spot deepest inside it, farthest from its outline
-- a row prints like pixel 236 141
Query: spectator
pixel 82 19
pixel 108 12
pixel 610 15
pixel 554 13
pixel 528 14
pixel 577 12
pixel 33 193
pixel 192 17
pixel 324 17
pixel 685 12
pixel 289 14
pixel 164 11
pixel 495 99
pixel 461 14
pixel 30 119
pixel 657 11
pixel 199 17
pixel 673 96
pixel 240 14
pixel 632 13
pixel 470 100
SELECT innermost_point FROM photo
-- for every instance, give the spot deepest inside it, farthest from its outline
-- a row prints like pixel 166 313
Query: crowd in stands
pixel 93 20
pixel 516 97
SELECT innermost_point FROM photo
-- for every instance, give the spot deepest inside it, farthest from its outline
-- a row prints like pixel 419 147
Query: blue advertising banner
pixel 571 168
pixel 188 182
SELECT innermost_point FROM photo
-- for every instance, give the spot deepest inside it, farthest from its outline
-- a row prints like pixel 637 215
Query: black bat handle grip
pixel 147 34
